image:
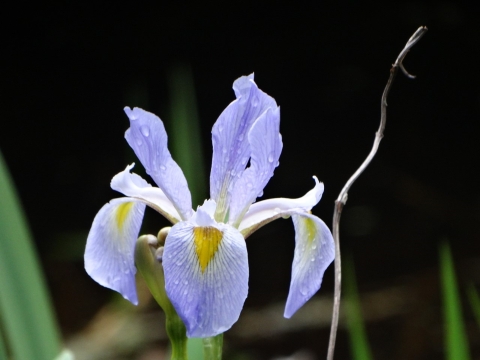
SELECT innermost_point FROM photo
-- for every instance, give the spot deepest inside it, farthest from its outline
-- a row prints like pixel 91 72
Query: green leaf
pixel 356 327
pixel 455 336
pixel 474 299
pixel 26 313
pixel 184 132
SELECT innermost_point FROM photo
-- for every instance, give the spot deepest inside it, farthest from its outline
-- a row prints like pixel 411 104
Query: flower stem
pixel 152 272
pixel 212 347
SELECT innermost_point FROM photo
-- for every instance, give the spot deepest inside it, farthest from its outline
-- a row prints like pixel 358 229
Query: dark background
pixel 71 68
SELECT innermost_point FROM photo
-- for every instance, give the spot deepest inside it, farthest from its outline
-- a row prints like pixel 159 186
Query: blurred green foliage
pixel 456 345
pixel 360 348
pixel 25 311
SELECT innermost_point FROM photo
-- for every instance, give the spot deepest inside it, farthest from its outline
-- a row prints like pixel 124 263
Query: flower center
pixel 207 239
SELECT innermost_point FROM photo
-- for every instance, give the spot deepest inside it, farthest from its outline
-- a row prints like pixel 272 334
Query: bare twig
pixel 342 198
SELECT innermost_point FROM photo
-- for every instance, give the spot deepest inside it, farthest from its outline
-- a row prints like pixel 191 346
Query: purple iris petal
pixel 266 146
pixel 208 301
pixel 147 137
pixel 109 254
pixel 231 149
pixel 314 252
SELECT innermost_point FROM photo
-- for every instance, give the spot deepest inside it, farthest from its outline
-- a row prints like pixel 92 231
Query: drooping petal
pixel 265 211
pixel 231 149
pixel 314 252
pixel 109 254
pixel 148 138
pixel 134 186
pixel 266 146
pixel 206 276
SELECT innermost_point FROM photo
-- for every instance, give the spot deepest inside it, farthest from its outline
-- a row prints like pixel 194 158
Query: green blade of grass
pixel 26 314
pixel 356 327
pixel 185 132
pixel 474 300
pixel 455 336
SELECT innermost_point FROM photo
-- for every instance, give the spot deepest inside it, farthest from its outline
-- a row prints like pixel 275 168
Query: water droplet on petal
pixel 303 291
pixel 220 128
pixel 240 137
pixel 232 172
pixel 162 167
pixel 312 259
pixel 224 150
pixel 176 282
pixel 270 158
pixel 185 282
pixel 314 247
pixel 249 185
pixel 244 160
pixel 260 194
pixel 145 130
pixel 139 141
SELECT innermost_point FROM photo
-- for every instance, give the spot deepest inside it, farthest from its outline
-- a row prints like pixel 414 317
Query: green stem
pixel 212 347
pixel 152 271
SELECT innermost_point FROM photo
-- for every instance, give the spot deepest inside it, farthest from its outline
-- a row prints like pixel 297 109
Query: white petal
pixel 109 254
pixel 265 211
pixel 134 186
pixel 314 252
pixel 206 276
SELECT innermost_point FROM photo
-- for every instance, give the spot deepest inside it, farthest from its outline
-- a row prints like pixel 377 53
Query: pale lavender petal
pixel 109 254
pixel 209 301
pixel 134 186
pixel 148 138
pixel 266 146
pixel 265 211
pixel 231 149
pixel 314 252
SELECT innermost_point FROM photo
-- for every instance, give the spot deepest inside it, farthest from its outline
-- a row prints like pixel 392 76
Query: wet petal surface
pixel 147 137
pixel 314 252
pixel 206 276
pixel 109 254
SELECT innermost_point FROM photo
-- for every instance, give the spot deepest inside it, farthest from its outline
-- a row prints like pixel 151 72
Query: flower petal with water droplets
pixel 231 149
pixel 314 252
pixel 266 146
pixel 206 276
pixel 109 254
pixel 132 185
pixel 148 138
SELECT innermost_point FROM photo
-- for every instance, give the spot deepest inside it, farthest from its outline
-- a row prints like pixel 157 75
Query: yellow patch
pixel 310 229
pixel 122 212
pixel 207 239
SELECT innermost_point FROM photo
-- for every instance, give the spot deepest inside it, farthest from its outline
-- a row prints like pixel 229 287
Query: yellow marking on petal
pixel 122 212
pixel 207 239
pixel 310 229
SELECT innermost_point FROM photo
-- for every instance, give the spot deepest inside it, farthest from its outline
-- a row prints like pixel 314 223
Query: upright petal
pixel 263 212
pixel 148 138
pixel 266 146
pixel 109 254
pixel 134 186
pixel 231 149
pixel 314 252
pixel 206 276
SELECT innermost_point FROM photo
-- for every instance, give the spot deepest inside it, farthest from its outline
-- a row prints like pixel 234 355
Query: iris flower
pixel 205 256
